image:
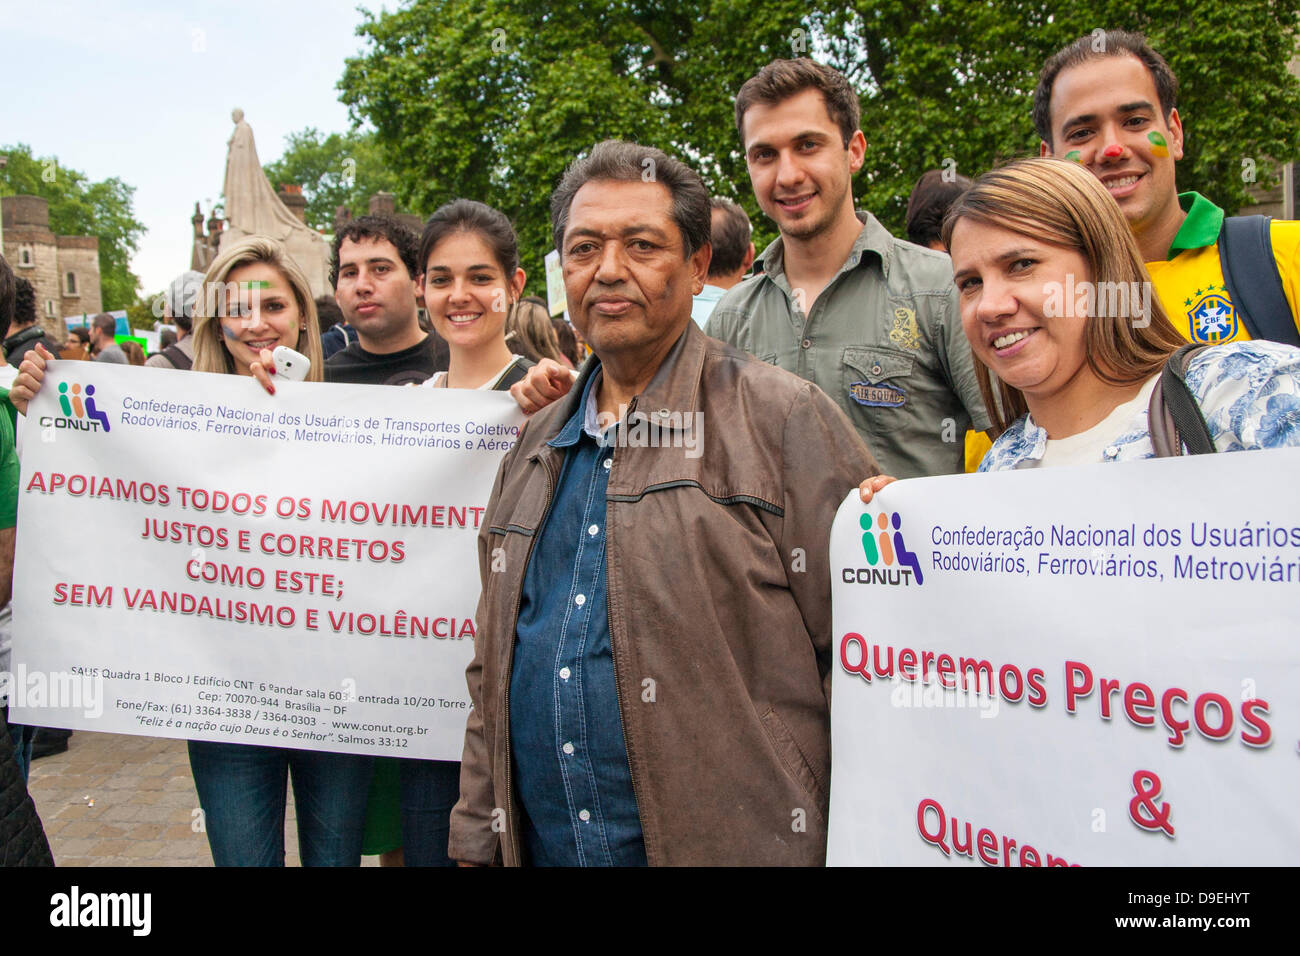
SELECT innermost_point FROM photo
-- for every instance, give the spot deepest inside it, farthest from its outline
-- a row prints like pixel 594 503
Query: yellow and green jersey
pixel 1190 282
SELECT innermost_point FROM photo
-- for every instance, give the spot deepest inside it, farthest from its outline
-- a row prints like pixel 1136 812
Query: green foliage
pixel 79 207
pixel 145 311
pixel 341 169
pixel 490 99
pixel 958 83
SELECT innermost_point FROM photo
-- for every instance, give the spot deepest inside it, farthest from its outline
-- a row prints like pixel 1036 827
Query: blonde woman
pixel 253 299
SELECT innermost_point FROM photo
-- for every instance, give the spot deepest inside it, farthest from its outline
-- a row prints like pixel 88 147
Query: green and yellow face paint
pixel 1158 145
pixel 1073 156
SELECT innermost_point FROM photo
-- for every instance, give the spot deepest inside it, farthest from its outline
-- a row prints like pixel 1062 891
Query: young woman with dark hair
pixel 471 282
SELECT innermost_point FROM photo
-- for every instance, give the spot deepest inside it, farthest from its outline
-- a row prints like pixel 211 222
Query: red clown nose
pixel 1112 151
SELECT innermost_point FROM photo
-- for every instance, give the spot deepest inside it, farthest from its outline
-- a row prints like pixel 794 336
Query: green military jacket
pixel 884 340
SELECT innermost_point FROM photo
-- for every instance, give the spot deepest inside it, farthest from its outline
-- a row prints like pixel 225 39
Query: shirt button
pixel 608 462
pixel 567 748
pixel 565 672
pixel 594 530
pixel 1112 451
pixel 806 343
pixel 875 369
pixel 584 815
pixel 580 600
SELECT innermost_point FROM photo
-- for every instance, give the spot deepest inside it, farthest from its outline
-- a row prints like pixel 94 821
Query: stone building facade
pixel 1280 202
pixel 64 270
pixel 381 204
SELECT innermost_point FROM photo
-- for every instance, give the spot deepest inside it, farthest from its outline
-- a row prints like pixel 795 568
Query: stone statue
pixel 252 208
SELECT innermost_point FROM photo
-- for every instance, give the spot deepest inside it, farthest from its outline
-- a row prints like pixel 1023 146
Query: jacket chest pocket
pixel 877 387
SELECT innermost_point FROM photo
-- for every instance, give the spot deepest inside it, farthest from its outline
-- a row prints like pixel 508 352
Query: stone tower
pixel 205 245
pixel 64 270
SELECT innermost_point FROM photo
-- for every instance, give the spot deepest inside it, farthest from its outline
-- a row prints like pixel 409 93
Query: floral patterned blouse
pixel 1249 393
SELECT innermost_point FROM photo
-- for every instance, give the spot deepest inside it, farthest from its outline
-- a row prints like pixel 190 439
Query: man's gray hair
pixel 181 297
pixel 618 161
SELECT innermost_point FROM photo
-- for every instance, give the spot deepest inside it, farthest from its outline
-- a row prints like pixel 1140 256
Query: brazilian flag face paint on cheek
pixel 1073 156
pixel 1158 145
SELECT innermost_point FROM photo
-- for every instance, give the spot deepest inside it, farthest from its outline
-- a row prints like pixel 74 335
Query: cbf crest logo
pixel 79 410
pixel 1211 318
pixel 886 553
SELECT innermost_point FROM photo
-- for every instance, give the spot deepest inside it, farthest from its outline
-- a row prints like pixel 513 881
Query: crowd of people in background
pixel 838 356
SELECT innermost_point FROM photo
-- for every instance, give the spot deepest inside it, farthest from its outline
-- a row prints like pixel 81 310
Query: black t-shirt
pixel 354 365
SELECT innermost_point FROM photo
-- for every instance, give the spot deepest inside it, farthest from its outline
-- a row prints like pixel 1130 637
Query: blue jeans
pixel 430 788
pixel 22 737
pixel 242 792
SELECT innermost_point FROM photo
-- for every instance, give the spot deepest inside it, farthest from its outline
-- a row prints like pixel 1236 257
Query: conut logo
pixel 79 412
pixel 886 553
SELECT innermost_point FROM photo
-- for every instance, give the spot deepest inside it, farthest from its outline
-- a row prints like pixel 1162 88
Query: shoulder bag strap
pixel 178 358
pixel 515 373
pixel 1174 418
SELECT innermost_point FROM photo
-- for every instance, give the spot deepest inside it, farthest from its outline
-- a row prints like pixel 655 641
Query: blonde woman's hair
pixel 529 333
pixel 210 352
pixel 1061 203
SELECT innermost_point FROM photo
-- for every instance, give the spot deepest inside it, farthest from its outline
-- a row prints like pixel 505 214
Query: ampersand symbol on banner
pixel 1142 808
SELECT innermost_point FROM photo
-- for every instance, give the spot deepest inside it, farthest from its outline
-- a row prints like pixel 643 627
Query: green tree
pixel 490 99
pixel 79 207
pixel 338 169
pixel 956 85
pixel 146 311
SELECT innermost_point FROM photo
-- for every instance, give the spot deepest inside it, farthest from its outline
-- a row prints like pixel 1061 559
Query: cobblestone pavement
pixel 116 800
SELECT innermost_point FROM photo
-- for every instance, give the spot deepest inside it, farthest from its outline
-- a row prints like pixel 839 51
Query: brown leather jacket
pixel 719 613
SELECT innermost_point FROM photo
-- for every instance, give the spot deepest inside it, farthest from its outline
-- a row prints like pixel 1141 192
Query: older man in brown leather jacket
pixel 651 675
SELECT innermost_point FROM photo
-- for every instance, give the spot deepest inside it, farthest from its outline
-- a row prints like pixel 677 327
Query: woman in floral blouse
pixel 1057 304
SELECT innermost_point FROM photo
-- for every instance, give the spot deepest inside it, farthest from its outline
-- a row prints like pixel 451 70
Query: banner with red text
pixel 198 559
pixel 1071 666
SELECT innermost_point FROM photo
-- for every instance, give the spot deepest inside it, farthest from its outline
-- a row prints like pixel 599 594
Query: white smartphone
pixel 292 365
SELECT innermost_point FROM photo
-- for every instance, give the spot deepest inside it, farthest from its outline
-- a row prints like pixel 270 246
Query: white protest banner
pixel 198 559
pixel 1074 666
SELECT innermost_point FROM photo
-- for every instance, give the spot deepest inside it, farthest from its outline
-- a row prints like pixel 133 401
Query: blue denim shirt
pixel 566 729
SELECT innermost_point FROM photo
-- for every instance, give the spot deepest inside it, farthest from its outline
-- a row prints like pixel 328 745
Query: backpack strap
pixel 1254 283
pixel 178 358
pixel 1174 418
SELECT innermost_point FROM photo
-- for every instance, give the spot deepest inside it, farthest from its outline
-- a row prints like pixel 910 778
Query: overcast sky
pixel 143 91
